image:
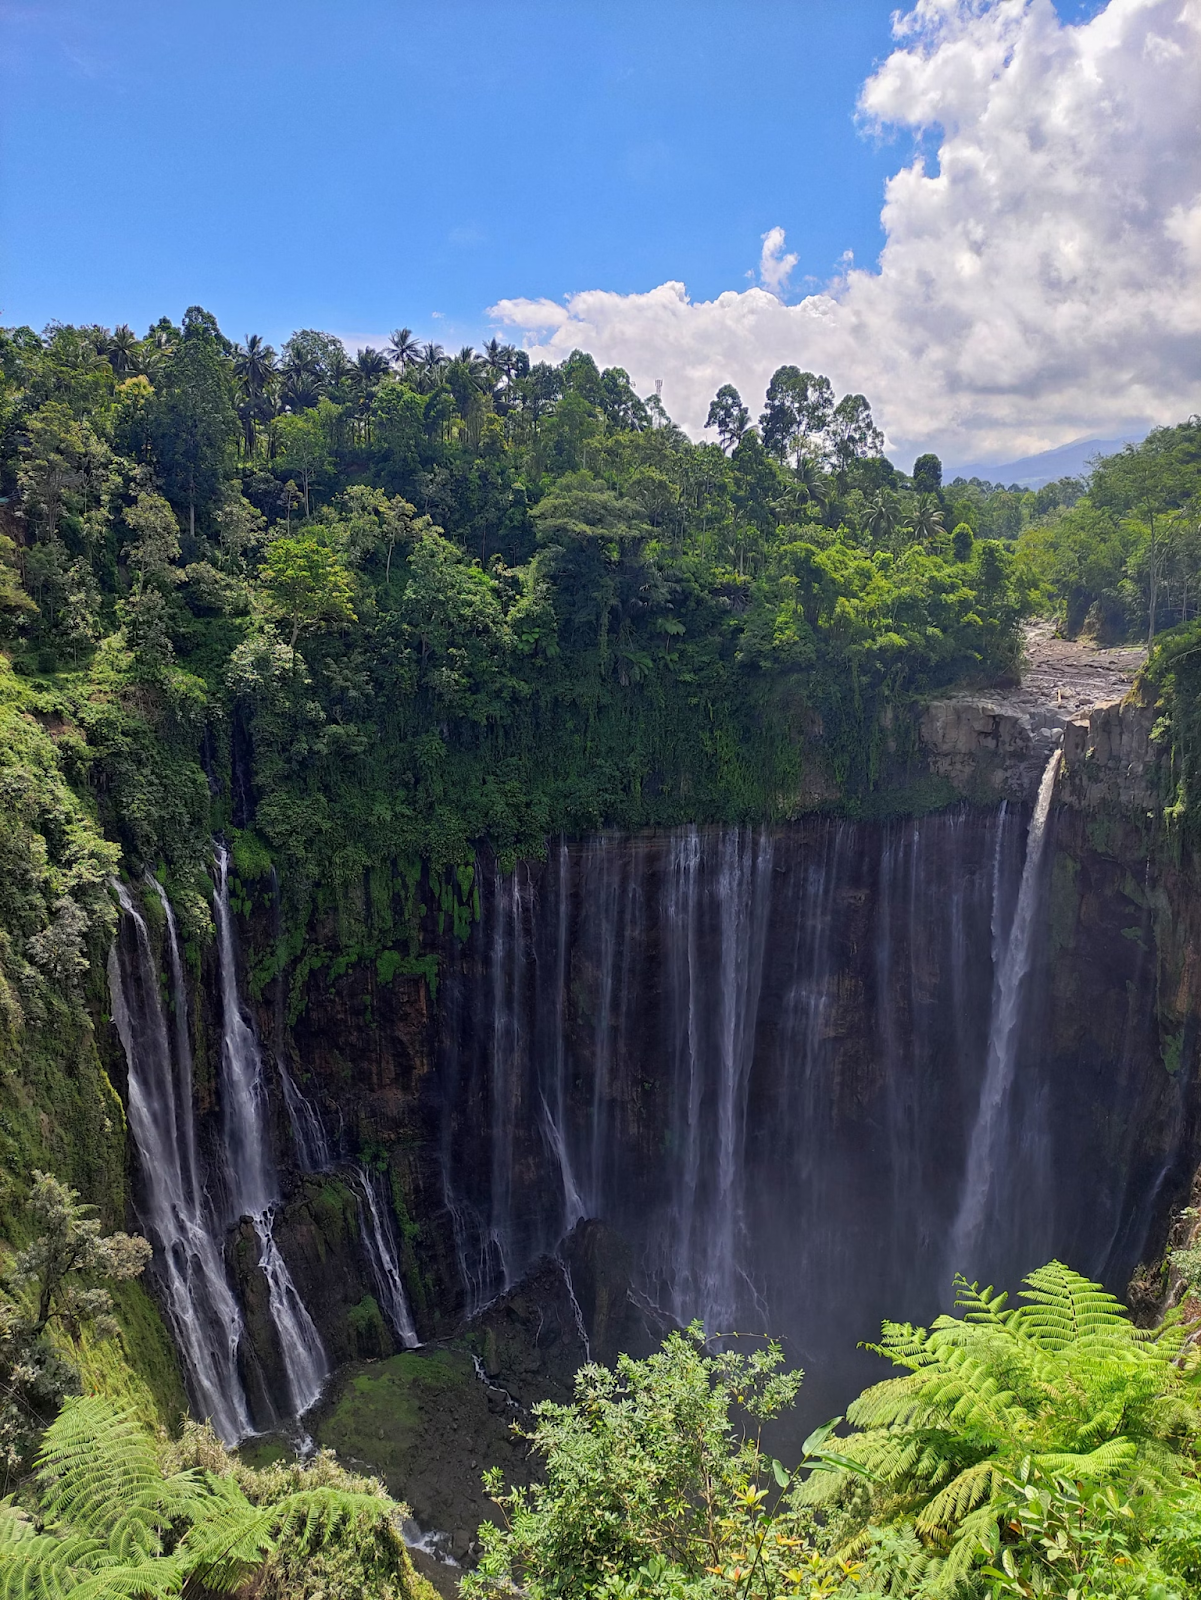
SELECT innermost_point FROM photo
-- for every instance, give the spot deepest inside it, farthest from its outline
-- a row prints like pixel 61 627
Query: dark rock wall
pixel 758 1057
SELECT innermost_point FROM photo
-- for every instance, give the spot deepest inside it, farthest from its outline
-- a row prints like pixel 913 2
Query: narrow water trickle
pixel 553 1091
pixel 379 1241
pixel 188 1264
pixel 250 1175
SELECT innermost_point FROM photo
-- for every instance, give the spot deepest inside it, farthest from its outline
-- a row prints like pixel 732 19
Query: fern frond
pixel 980 1305
pixel 315 1516
pixel 1106 1461
pixel 38 1566
pixel 1062 1307
pixel 146 1580
pixel 952 1504
pixel 98 1472
pixel 977 1533
pixel 234 1537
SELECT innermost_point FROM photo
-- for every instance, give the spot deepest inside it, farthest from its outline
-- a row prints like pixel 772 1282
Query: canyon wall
pixel 801 1074
pixel 762 1056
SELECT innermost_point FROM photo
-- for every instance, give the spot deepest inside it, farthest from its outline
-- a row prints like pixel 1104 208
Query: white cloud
pixel 775 268
pixel 1040 280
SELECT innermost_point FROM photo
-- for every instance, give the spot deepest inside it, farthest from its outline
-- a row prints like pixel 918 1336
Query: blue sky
pixel 354 165
pixel 358 164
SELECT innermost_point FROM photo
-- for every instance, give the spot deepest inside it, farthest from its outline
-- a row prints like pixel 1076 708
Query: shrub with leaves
pixel 1061 1538
pixel 58 1282
pixel 656 1484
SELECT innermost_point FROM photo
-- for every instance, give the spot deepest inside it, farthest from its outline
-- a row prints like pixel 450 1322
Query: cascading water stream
pixel 382 1252
pixel 251 1179
pixel 187 1263
pixel 316 1153
pixel 1011 966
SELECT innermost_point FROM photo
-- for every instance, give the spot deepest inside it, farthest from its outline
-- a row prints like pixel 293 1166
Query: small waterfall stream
pixel 188 1263
pixel 380 1242
pixel 1012 958
pixel 252 1183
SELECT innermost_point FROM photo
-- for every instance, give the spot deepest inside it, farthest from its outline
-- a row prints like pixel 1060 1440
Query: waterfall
pixel 311 1142
pixel 309 1137
pixel 251 1178
pixel 766 1058
pixel 1011 965
pixel 380 1243
pixel 188 1265
pixel 553 1098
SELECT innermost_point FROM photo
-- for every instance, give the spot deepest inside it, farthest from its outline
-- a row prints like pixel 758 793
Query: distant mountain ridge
pixel 1065 461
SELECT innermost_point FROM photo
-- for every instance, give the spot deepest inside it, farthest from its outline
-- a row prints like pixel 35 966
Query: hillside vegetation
pixel 372 613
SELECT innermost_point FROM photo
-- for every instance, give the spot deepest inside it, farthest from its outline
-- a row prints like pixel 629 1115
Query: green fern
pixel 1062 1382
pixel 114 1526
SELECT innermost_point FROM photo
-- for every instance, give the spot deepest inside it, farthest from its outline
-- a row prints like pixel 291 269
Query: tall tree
pixel 403 350
pixel 927 474
pixel 798 411
pixel 303 444
pixel 255 371
pixel 851 433
pixel 192 424
pixel 728 415
pixel 122 350
pixel 307 583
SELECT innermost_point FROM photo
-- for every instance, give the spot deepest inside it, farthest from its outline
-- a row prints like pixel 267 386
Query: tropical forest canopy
pixel 363 616
pixel 368 613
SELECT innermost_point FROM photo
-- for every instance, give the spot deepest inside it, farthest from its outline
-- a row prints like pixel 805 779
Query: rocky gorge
pixel 786 1079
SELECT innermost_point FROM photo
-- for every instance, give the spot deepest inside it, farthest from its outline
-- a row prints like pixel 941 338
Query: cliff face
pixel 761 1058
pixel 792 1078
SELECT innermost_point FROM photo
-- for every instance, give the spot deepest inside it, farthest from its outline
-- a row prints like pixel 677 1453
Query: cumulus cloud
pixel 1041 275
pixel 775 268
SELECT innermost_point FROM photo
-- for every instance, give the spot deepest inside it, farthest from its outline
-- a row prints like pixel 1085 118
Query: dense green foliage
pixel 52 1290
pixel 1124 561
pixel 1063 1387
pixel 114 1518
pixel 400 605
pixel 1049 1449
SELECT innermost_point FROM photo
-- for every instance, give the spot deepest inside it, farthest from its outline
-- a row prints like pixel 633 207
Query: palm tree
pixel 255 372
pixel 927 524
pixel 368 367
pixel 433 358
pixel 810 477
pixel 883 516
pixel 254 365
pixel 338 366
pixel 122 350
pixel 371 363
pixel 403 349
pixel 302 376
pixel 494 357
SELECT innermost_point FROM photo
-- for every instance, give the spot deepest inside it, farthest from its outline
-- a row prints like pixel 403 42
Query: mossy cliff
pixel 363 989
pixel 60 1108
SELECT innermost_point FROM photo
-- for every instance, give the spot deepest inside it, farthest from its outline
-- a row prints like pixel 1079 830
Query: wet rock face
pixel 431 1421
pixel 757 1057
